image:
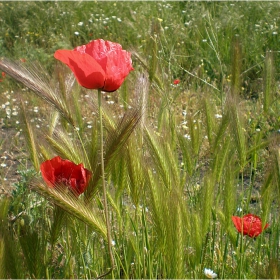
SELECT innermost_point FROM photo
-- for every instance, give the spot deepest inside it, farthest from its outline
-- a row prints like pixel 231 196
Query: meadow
pixel 189 140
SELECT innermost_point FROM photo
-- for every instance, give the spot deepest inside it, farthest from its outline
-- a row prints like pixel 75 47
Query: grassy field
pixel 180 158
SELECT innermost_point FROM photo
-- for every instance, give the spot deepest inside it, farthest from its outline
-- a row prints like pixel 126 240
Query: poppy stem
pixel 108 227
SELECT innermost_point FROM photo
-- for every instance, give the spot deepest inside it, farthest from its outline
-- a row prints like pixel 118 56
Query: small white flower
pixel 76 33
pixel 80 23
pixel 210 273
pixel 113 243
pixel 239 209
pixel 8 111
pixel 218 116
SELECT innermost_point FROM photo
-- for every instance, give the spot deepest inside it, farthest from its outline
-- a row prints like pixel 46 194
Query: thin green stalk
pixel 268 81
pixel 83 146
pixel 251 184
pixel 241 256
pixel 224 258
pixel 108 227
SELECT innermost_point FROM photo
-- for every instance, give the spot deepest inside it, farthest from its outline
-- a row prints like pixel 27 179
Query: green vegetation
pixel 180 160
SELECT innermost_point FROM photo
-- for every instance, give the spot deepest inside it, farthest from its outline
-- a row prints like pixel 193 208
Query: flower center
pixel 63 181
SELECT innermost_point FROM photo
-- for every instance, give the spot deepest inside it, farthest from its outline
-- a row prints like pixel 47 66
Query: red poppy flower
pixel 98 65
pixel 249 225
pixel 58 171
pixel 176 82
pixel 3 74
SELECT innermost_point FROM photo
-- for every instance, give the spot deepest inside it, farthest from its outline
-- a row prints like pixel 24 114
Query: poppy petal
pixel 237 222
pixel 82 177
pixel 98 49
pixel 48 173
pixel 86 69
pixel 117 68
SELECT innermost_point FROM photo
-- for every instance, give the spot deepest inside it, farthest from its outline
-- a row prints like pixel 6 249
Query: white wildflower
pixel 210 273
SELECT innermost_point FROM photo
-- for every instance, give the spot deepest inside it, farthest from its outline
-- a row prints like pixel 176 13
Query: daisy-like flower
pixel 210 273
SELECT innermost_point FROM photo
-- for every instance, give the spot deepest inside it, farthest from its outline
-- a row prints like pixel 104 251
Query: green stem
pixel 108 227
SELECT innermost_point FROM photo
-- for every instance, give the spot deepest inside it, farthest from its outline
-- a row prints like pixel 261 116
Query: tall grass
pixel 180 160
